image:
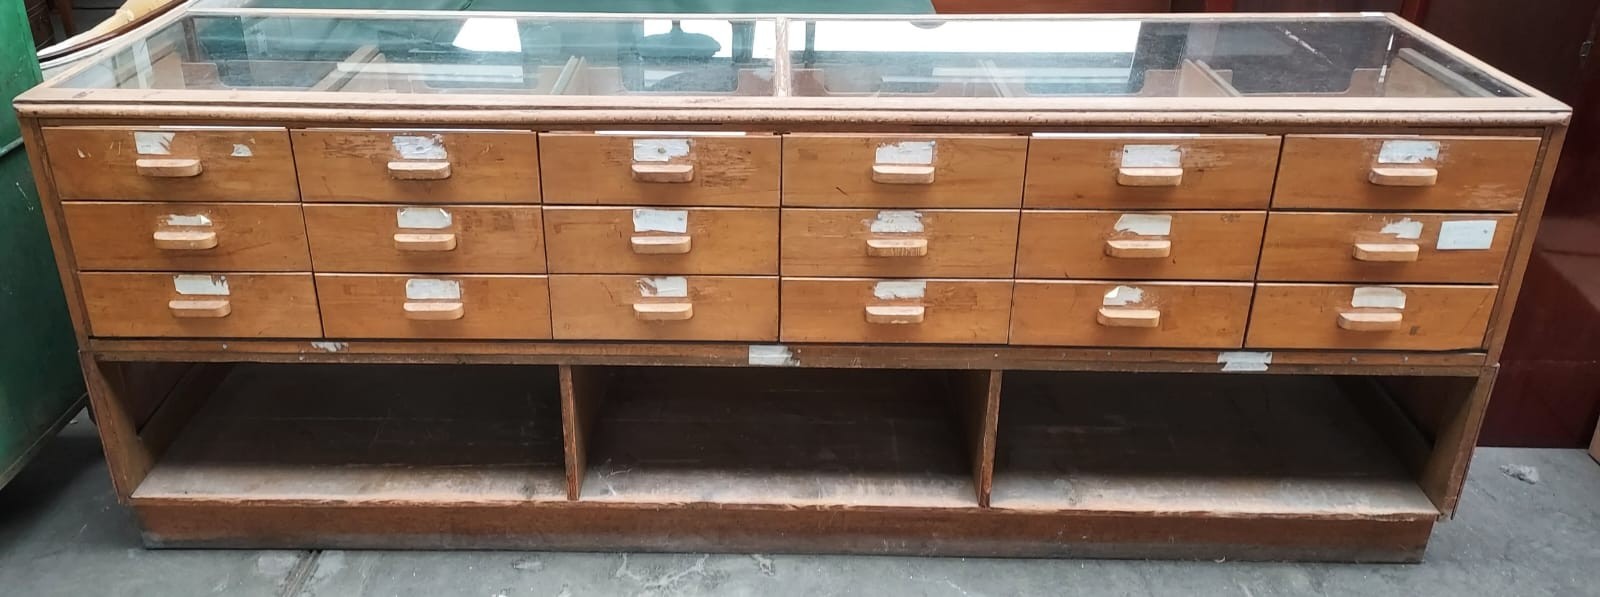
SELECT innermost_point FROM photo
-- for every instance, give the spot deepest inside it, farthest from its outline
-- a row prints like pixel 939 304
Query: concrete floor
pixel 62 533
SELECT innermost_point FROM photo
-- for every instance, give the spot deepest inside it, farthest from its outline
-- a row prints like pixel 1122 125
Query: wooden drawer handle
pixel 434 311
pixel 902 174
pixel 661 245
pixel 1138 249
pixel 897 247
pixel 663 311
pixel 168 167
pixel 1408 176
pixel 1357 321
pixel 1387 251
pixel 675 173
pixel 425 242
pixel 1129 318
pixel 895 314
pixel 409 170
pixel 208 308
pixel 1149 177
pixel 185 240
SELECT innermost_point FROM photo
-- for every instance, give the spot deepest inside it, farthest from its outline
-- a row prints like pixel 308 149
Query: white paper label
pixel 900 289
pixel 1152 156
pixel 1406 229
pixel 1466 235
pixel 659 150
pixel 432 289
pixel 907 153
pixel 426 218
pixel 1122 296
pixel 191 284
pixel 661 220
pixel 1378 297
pixel 1144 225
pixel 1408 151
pixel 419 147
pixel 1244 361
pixel 186 220
pixel 330 346
pixel 152 142
pixel 241 150
pixel 897 221
pixel 664 287
pixel 771 355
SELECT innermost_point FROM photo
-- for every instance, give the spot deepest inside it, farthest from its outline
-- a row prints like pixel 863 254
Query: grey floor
pixel 62 533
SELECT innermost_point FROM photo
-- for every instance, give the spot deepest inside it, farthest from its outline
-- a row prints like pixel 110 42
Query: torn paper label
pixel 432 289
pixel 186 220
pixel 772 355
pixel 664 287
pixel 426 218
pixel 1466 235
pixel 897 221
pixel 889 290
pixel 330 346
pixel 661 220
pixel 1122 296
pixel 905 153
pixel 1152 156
pixel 241 150
pixel 1144 224
pixel 152 142
pixel 1408 151
pixel 1240 361
pixel 1405 229
pixel 191 284
pixel 419 147
pixel 1378 297
pixel 659 150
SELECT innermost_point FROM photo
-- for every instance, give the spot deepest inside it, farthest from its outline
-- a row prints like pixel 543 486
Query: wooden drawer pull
pixel 168 167
pixel 1129 318
pixel 663 311
pixel 1387 251
pixel 895 314
pixel 409 170
pixel 661 245
pixel 434 311
pixel 897 247
pixel 185 240
pixel 425 242
pixel 902 174
pixel 1409 176
pixel 1357 321
pixel 663 172
pixel 1149 177
pixel 1138 249
pixel 210 308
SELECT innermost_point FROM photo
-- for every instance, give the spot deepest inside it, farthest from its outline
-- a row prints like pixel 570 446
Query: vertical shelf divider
pixel 975 396
pixel 583 392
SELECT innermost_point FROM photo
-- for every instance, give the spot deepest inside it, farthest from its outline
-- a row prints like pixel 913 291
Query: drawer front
pixel 417 166
pixel 247 237
pixel 861 310
pixel 1380 317
pixel 428 239
pixel 1391 173
pixel 195 306
pixel 1151 171
pixel 1198 245
pixel 1140 314
pixel 664 308
pixel 171 163
pixel 1386 247
pixel 468 307
pixel 929 243
pixel 700 240
pixel 842 170
pixel 592 169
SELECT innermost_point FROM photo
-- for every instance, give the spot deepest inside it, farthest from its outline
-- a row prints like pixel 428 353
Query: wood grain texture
pixel 489 240
pixel 1193 315
pixel 590 169
pixel 99 162
pixel 1205 246
pixel 725 308
pixel 957 311
pixel 975 397
pixel 1219 172
pixel 583 394
pixel 960 244
pixel 352 165
pixel 128 458
pixel 1319 247
pixel 1307 316
pixel 1475 174
pixel 970 171
pixel 493 307
pixel 263 306
pixel 256 237
pixel 598 240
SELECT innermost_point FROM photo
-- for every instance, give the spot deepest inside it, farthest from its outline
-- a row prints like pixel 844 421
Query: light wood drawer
pixel 171 163
pixel 1151 171
pixel 1386 247
pixel 192 305
pixel 699 240
pixel 417 166
pixel 867 310
pixel 426 239
pixel 390 306
pixel 247 237
pixel 1189 245
pixel 1335 316
pixel 1405 172
pixel 932 243
pixel 594 169
pixel 1142 314
pixel 664 308
pixel 845 170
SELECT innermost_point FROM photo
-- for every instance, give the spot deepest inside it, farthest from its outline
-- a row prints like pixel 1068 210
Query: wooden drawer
pixel 863 310
pixel 1151 171
pixel 171 163
pixel 664 308
pixel 707 169
pixel 899 243
pixel 700 240
pixel 1386 247
pixel 1142 314
pixel 194 305
pixel 1335 316
pixel 1192 245
pixel 478 307
pixel 844 170
pixel 417 166
pixel 1405 172
pixel 245 237
pixel 426 239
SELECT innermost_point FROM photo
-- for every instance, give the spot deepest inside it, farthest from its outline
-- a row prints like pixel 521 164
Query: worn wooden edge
pixel 128 458
pixel 1522 244
pixel 975 397
pixel 1445 473
pixel 583 394
pixel 56 225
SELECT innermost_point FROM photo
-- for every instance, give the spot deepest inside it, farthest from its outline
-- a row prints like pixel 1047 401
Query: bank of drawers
pixel 1177 241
